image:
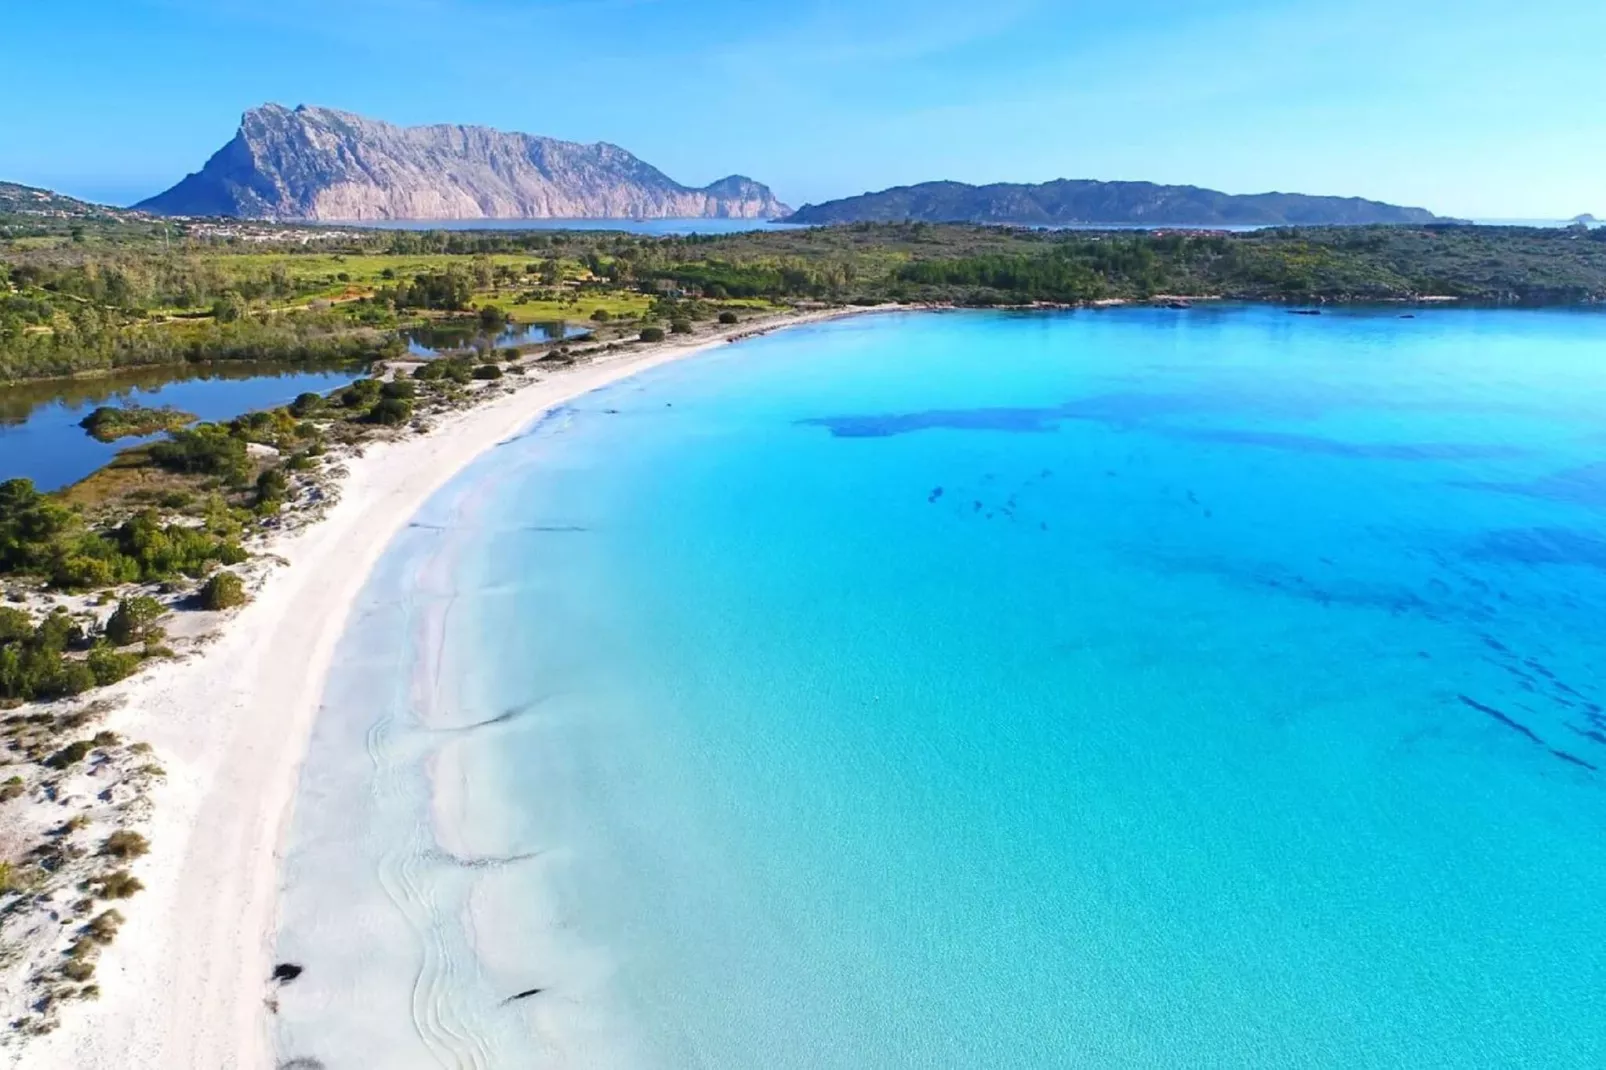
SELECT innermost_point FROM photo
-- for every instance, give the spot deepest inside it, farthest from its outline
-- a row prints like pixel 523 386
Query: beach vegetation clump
pixel 453 369
pixel 125 844
pixel 728 317
pixel 224 590
pixel 119 884
pixel 488 371
pixel 601 315
pixel 112 422
pixel 108 666
pixel 390 412
pixel 70 755
pixel 103 928
pixel 361 394
pixel 404 389
pixel 40 661
pixel 680 325
pixel 305 405
pixel 79 970
pixel 205 450
pixel 652 334
pixel 132 620
pixel 273 484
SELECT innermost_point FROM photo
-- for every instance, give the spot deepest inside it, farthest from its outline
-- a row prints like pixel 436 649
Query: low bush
pixel 224 590
pixel 125 844
pixel 390 412
pixel 652 334
pixel 488 371
pixel 205 450
pixel 361 394
pixel 680 326
pixel 131 620
pixel 729 318
pixel 70 755
pixel 78 970
pixel 108 666
pixel 104 926
pixel 306 405
pixel 120 884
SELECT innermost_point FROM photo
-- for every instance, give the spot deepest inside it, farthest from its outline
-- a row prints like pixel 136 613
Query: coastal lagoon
pixel 1127 688
pixel 40 436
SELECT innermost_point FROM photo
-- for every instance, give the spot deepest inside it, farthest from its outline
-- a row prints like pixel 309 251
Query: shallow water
pixel 40 436
pixel 1126 688
pixel 446 336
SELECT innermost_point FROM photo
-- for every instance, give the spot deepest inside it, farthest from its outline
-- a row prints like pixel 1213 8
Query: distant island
pixel 1085 201
pixel 1586 219
pixel 317 164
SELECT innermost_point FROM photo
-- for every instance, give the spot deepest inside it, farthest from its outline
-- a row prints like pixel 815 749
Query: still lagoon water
pixel 40 436
pixel 1136 688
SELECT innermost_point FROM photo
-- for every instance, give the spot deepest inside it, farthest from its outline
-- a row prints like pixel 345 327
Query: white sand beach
pixel 186 984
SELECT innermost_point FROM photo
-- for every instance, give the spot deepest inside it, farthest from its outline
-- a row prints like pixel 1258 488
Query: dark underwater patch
pixel 1497 715
pixel 1584 486
pixel 1329 447
pixel 1119 409
pixel 1541 546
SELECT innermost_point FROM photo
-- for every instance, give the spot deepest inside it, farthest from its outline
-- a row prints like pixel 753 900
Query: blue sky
pixel 1472 108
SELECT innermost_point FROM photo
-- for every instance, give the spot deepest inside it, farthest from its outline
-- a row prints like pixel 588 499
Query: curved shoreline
pixel 187 982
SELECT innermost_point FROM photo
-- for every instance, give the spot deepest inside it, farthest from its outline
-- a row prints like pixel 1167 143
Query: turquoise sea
pixel 1124 688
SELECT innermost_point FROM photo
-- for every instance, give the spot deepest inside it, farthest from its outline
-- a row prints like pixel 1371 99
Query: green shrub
pixel 73 678
pixel 205 450
pixel 12 788
pixel 272 485
pixel 361 394
pixel 601 315
pixel 652 334
pixel 680 326
pixel 131 619
pixel 14 625
pixel 488 371
pixel 108 666
pixel 390 412
pixel 30 525
pixel 399 388
pixel 70 755
pixel 306 405
pixel 224 590
pixel 729 318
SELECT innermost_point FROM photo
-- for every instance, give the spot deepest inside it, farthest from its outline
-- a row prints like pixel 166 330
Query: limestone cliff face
pixel 320 164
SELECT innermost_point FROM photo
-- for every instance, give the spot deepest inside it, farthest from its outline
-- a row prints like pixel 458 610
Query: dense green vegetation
pixel 40 536
pixel 97 293
pixel 108 423
pixel 54 658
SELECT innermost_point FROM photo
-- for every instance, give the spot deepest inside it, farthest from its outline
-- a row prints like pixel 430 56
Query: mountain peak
pixel 318 163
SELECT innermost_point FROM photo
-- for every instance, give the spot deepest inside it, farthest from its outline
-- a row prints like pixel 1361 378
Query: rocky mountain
pixel 320 164
pixel 1069 201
